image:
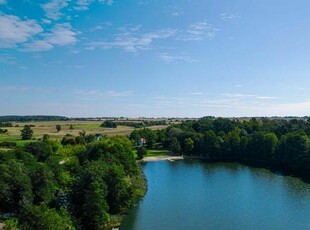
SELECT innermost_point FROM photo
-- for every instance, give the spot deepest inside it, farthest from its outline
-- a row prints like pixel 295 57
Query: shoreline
pixel 162 158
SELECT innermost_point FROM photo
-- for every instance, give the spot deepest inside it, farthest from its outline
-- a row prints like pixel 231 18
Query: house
pixel 141 142
pixel 99 136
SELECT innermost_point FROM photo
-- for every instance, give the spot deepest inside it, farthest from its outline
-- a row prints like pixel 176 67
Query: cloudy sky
pixel 155 58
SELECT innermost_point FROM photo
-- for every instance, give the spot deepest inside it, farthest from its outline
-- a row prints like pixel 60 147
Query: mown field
pixel 49 127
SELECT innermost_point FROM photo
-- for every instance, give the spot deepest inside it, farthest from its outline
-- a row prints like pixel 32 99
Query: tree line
pixel 45 185
pixel 32 118
pixel 280 143
pixel 134 124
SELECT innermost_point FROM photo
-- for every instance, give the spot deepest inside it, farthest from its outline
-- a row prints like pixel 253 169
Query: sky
pixel 155 58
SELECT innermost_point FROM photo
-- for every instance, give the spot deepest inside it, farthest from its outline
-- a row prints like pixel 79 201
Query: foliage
pixel 143 123
pixel 149 135
pixel 281 143
pixel 58 128
pixel 15 186
pixel 141 152
pixel 26 133
pixel 3 131
pixel 8 144
pixel 41 150
pixel 42 217
pixel 7 119
pixel 79 186
pixel 109 124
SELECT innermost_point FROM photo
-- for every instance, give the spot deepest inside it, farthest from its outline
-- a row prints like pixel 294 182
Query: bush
pixel 7 144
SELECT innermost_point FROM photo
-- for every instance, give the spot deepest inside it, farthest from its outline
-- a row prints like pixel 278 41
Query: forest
pixel 89 185
pixel 273 143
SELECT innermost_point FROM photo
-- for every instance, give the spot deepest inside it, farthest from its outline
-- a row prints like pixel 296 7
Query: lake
pixel 185 195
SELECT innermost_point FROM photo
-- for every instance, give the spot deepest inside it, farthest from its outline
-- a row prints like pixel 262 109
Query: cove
pixel 189 194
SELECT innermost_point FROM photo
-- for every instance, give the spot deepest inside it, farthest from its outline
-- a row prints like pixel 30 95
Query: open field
pixel 49 127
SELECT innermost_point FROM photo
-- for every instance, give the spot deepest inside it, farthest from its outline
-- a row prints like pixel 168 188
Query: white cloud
pixel 52 8
pixel 112 93
pixel 84 4
pixel 100 26
pixel 46 21
pixel 229 17
pixel 265 97
pixel 173 11
pixel 37 46
pixel 131 40
pixel 3 2
pixel 60 35
pixel 168 58
pixel 94 94
pixel 237 95
pixel 198 31
pixel 197 93
pixel 13 30
pixel 247 96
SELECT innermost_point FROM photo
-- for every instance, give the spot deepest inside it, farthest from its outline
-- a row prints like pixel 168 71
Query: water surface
pixel 194 195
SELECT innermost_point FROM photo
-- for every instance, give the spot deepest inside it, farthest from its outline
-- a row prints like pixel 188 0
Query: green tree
pixel 42 217
pixel 174 145
pixel 188 145
pixel 109 124
pixel 26 133
pixel 95 214
pixel 211 144
pixel 15 186
pixel 46 138
pixel 58 128
pixel 293 150
pixel 141 152
pixel 43 186
pixel 41 150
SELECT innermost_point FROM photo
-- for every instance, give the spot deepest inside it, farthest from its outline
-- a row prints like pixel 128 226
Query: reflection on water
pixel 194 195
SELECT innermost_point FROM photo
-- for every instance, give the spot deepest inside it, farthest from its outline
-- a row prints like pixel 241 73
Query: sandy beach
pixel 163 158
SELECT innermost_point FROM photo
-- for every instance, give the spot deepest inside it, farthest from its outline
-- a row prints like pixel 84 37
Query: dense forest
pixel 89 185
pixel 278 143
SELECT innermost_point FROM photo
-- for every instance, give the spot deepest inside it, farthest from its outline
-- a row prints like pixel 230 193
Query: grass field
pixel 154 153
pixel 49 127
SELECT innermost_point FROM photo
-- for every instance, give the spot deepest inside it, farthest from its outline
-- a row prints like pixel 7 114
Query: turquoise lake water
pixel 186 195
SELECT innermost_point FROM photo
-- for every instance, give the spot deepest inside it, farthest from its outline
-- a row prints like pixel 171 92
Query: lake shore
pixel 162 158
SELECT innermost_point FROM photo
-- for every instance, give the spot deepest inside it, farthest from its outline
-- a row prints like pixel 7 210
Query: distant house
pixel 142 142
pixel 99 136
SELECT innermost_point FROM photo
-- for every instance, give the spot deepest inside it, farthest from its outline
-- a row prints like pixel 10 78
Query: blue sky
pixel 155 58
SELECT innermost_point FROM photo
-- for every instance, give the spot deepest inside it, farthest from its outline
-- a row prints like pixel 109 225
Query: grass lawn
pixel 154 153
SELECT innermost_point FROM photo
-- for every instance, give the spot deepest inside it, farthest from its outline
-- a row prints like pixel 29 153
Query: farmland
pixel 72 127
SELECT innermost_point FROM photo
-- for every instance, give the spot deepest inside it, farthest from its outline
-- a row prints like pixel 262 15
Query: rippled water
pixel 194 195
